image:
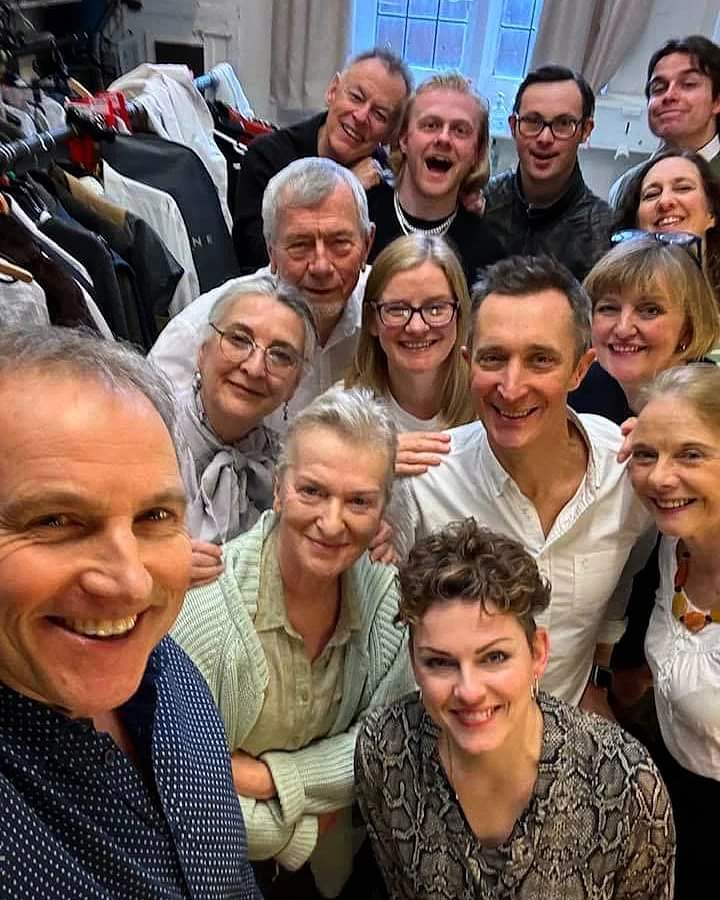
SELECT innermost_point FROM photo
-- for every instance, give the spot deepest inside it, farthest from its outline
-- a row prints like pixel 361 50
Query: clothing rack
pixel 78 124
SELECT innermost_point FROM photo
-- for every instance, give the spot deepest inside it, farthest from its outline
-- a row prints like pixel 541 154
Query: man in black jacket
pixel 544 206
pixel 365 105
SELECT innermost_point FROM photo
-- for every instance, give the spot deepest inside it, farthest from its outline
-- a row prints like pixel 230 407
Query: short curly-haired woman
pixel 479 786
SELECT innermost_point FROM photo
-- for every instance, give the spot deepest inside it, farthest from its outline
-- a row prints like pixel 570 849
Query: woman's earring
pixel 534 689
pixel 682 347
pixel 285 412
pixel 197 380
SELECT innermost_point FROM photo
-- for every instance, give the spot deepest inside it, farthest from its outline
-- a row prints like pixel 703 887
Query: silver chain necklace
pixel 407 228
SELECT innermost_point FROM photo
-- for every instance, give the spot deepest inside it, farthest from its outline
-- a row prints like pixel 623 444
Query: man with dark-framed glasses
pixel 544 206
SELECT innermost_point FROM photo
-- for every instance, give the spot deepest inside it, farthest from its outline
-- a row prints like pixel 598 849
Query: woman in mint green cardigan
pixel 296 638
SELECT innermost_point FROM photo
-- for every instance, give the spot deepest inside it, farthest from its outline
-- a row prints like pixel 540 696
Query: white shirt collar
pixel 498 476
pixel 711 149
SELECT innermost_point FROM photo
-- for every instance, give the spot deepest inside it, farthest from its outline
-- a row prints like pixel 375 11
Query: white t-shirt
pixel 686 677
pixel 406 421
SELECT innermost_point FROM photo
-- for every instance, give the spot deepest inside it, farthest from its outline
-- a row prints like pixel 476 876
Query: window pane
pixel 420 43
pixel 517 12
pixel 457 10
pixel 423 8
pixel 396 7
pixel 391 32
pixel 510 59
pixel 449 47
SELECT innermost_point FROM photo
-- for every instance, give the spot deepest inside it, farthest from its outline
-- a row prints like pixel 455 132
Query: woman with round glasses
pixel 675 469
pixel 479 786
pixel 415 318
pixel 675 194
pixel 250 363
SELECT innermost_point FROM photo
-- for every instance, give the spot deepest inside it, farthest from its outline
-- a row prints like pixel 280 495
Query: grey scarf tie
pixel 228 485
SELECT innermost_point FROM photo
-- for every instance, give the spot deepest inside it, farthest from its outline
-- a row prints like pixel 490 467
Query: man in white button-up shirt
pixel 318 233
pixel 536 471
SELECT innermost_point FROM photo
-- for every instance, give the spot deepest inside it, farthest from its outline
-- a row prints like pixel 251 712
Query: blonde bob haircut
pixel 696 385
pixel 369 367
pixel 477 178
pixel 645 267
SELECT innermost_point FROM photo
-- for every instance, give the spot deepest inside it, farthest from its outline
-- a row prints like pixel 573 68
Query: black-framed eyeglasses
pixel 398 313
pixel 692 243
pixel 561 127
pixel 237 347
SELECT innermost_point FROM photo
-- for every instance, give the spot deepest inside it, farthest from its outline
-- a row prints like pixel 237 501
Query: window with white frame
pixel 490 41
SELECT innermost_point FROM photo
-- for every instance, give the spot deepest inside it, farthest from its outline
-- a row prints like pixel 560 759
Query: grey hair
pixel 282 292
pixel 392 62
pixel 81 354
pixel 308 182
pixel 518 276
pixel 355 414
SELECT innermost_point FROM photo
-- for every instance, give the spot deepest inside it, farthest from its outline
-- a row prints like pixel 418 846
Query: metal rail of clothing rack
pixel 79 124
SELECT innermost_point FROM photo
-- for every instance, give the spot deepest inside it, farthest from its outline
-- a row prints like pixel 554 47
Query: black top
pixel 469 235
pixel 600 394
pixel 574 229
pixel 82 822
pixel 266 156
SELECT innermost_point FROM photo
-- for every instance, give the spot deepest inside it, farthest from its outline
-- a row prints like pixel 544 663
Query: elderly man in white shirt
pixel 534 470
pixel 318 233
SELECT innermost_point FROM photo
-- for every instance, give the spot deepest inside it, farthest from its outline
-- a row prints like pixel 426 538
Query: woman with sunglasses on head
pixel 258 339
pixel 481 787
pixel 675 193
pixel 415 318
pixel 675 469
pixel 652 309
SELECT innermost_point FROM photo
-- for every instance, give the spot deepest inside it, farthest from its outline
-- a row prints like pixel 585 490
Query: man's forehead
pixel 552 98
pixel 677 64
pixel 376 71
pixel 337 212
pixel 543 314
pixel 449 103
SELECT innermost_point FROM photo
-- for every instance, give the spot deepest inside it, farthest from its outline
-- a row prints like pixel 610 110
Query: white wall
pixel 240 31
pixel 234 30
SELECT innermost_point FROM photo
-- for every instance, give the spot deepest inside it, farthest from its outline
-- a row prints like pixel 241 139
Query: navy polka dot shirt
pixel 79 821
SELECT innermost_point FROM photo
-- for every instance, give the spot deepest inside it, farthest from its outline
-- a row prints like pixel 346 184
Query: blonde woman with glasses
pixel 415 319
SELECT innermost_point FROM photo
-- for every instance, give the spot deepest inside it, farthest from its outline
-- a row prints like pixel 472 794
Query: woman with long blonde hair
pixel 416 313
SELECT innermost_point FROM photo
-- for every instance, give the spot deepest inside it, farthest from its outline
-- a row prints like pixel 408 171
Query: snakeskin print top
pixel 598 825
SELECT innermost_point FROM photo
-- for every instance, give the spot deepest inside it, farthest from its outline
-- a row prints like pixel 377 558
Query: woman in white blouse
pixel 416 314
pixel 675 470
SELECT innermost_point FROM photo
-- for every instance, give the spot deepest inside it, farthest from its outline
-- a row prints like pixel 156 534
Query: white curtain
pixel 309 44
pixel 590 36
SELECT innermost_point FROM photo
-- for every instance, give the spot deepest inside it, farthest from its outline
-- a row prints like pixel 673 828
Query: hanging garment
pixel 178 171
pixel 176 111
pixel 161 211
pixel 93 253
pixel 22 303
pixel 76 272
pixel 65 302
pixel 146 269
pixel 227 89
